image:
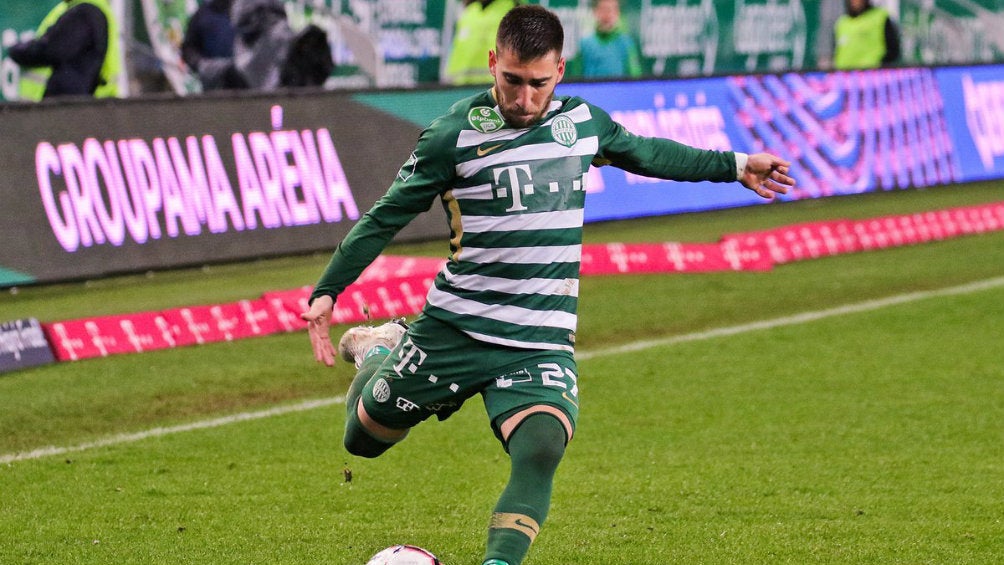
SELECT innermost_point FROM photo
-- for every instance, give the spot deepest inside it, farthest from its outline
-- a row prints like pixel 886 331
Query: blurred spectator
pixel 309 61
pixel 209 35
pixel 610 51
pixel 473 39
pixel 75 52
pixel 266 53
pixel 865 37
pixel 261 43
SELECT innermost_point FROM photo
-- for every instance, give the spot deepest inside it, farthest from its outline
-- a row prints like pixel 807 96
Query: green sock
pixel 366 370
pixel 357 440
pixel 536 448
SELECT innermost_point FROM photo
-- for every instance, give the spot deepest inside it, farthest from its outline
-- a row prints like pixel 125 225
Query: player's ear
pixel 492 61
pixel 561 69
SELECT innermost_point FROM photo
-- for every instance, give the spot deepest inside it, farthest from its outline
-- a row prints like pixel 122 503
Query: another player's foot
pixel 359 342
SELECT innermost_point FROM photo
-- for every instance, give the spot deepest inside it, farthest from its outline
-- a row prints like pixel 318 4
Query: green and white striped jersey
pixel 514 200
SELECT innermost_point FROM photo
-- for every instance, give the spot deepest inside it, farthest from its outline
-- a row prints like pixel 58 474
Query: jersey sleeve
pixel 422 178
pixel 659 157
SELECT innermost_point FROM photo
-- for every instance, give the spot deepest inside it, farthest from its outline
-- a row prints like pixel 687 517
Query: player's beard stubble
pixel 517 116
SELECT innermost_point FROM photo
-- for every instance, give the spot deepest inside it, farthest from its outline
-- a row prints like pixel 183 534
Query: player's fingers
pixel 768 189
pixel 323 353
pixel 774 162
pixel 779 187
pixel 327 353
pixel 781 177
pixel 320 342
pixel 315 345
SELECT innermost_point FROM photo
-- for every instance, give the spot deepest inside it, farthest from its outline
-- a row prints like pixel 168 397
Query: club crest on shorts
pixel 381 390
pixel 563 131
pixel 485 119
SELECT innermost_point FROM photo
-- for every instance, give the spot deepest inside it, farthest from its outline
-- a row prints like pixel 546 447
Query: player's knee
pixel 539 441
pixel 362 440
pixel 361 444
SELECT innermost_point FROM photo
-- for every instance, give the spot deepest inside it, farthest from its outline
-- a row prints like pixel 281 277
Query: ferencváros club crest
pixel 563 131
pixel 485 119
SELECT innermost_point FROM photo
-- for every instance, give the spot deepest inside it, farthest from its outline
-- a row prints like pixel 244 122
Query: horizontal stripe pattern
pixel 479 192
pixel 521 344
pixel 517 217
pixel 526 238
pixel 542 302
pixel 564 219
pixel 531 152
pixel 537 285
pixel 542 255
pixel 471 137
pixel 502 313
pixel 516 271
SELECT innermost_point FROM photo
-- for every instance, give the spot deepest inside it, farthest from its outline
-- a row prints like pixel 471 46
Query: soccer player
pixel 508 166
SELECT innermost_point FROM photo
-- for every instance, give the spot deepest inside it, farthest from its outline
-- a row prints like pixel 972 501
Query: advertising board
pixel 100 187
pixel 97 188
pixel 977 96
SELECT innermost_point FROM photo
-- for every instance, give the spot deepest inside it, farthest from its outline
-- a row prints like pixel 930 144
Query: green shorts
pixel 435 368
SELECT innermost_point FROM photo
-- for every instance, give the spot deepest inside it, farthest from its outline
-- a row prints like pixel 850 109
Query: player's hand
pixel 318 320
pixel 766 175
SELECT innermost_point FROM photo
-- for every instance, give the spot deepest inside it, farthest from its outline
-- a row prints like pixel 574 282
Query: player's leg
pixel 368 347
pixel 533 407
pixel 536 446
pixel 408 377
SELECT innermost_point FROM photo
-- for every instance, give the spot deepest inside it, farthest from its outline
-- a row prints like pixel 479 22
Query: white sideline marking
pixel 158 432
pixel 792 320
pixel 802 318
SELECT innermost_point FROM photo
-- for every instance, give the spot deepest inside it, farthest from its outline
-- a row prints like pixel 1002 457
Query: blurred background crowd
pixel 130 48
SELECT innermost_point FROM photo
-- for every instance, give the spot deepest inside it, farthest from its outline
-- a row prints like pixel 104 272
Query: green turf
pixel 866 438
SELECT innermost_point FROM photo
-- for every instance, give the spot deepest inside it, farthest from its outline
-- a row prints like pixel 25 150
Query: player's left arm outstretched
pixel 766 175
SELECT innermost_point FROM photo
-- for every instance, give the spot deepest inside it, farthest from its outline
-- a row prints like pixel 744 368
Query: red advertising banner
pixel 84 338
pixel 670 257
pixel 222 322
pixel 396 286
pixel 798 242
pixel 101 336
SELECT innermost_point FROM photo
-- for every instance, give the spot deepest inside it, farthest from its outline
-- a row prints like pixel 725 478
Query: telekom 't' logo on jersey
pixel 516 182
pixel 507 181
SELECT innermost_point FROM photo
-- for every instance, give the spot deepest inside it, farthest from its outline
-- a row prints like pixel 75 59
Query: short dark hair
pixel 530 32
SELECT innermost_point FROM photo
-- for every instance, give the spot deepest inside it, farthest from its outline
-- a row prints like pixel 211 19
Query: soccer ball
pixel 403 555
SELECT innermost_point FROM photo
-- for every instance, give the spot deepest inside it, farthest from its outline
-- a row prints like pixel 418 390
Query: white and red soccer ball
pixel 403 555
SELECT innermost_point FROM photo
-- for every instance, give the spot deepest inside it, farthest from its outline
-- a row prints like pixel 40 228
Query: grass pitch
pixel 867 437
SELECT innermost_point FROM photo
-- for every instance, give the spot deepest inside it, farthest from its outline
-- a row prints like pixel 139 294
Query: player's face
pixel 524 89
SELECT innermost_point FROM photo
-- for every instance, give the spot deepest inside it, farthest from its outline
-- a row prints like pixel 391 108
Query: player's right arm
pixel 426 173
